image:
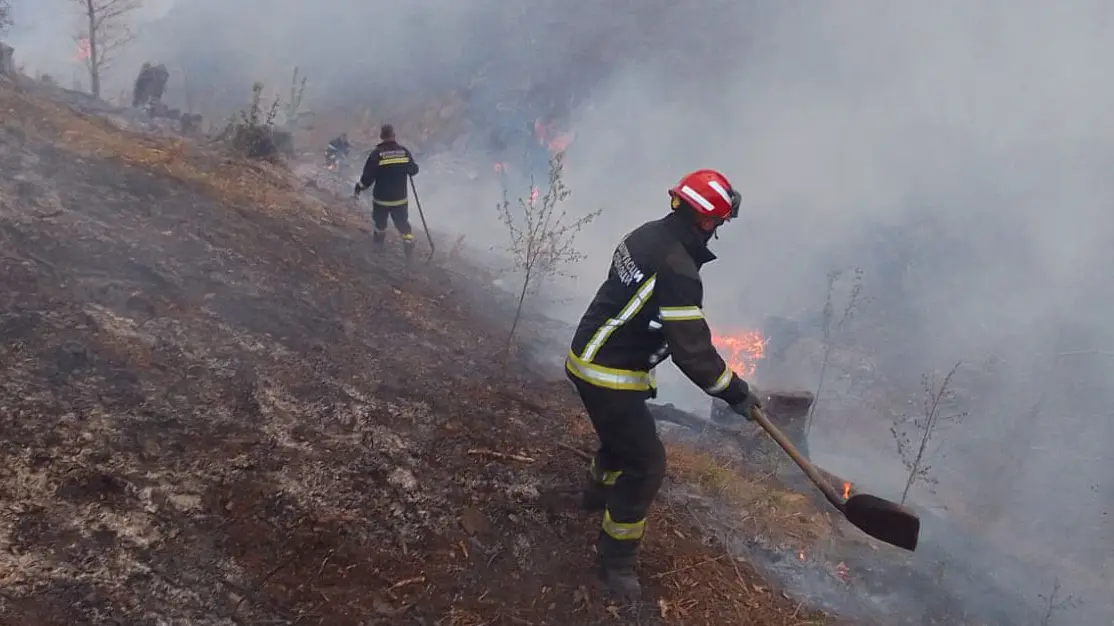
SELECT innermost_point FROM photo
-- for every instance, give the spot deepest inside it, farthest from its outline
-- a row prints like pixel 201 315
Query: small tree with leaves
pixel 104 32
pixel 914 434
pixel 833 325
pixel 542 239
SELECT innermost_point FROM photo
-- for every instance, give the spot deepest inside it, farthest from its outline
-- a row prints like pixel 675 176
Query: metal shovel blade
pixel 884 520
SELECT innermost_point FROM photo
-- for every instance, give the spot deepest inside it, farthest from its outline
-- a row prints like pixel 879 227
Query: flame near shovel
pixel 884 520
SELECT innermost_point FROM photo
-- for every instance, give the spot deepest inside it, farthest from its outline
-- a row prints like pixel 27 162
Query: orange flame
pixel 83 51
pixel 742 351
pixel 846 490
pixel 560 143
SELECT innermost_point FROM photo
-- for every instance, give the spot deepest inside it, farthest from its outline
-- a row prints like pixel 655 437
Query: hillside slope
pixel 218 406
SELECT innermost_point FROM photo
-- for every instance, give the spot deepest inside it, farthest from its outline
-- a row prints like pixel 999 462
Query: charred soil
pixel 219 406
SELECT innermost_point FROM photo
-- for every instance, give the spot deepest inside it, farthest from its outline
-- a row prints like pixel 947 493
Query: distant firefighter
pixel 150 85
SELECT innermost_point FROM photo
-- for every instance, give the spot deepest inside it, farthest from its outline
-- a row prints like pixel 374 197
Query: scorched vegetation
pixel 217 407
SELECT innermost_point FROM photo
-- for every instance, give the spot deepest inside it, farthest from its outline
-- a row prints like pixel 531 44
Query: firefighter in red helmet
pixel 648 309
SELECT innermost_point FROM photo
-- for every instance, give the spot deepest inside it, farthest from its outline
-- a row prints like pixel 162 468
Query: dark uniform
pixel 337 150
pixel 150 85
pixel 388 168
pixel 647 310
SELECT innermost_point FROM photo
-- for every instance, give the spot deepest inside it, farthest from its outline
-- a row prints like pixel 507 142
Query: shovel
pixel 884 520
pixel 421 214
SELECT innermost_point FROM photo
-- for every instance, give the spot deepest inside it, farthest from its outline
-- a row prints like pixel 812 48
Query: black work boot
pixel 379 237
pixel 620 578
pixel 408 246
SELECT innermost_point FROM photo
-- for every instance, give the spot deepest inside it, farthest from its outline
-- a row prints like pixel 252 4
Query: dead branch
pixel 667 413
pixel 407 581
pixel 262 581
pixel 688 567
pixel 502 455
pixel 587 456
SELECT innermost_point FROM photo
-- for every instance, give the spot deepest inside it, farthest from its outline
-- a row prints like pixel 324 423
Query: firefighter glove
pixel 359 187
pixel 746 405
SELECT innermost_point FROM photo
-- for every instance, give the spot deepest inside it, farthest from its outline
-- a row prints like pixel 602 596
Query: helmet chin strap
pixel 696 220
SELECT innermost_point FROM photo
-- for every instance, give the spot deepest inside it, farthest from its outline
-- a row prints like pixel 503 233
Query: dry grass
pixel 772 509
pixel 261 185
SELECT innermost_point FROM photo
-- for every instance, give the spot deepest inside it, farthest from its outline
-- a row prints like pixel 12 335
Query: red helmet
pixel 708 193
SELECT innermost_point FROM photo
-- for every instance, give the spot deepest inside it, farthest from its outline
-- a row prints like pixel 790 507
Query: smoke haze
pixel 959 153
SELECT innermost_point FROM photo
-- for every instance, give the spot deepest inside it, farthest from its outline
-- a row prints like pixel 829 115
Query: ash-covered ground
pixel 219 406
pixel 954 577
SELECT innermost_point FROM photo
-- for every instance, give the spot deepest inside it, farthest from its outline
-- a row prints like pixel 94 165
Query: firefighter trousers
pixel 630 462
pixel 399 214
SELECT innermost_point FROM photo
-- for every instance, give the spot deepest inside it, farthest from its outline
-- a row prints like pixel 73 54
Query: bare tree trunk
pixel 94 53
pixel 517 317
pixel 187 91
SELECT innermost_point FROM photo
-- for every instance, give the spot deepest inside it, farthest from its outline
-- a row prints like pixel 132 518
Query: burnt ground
pixel 217 406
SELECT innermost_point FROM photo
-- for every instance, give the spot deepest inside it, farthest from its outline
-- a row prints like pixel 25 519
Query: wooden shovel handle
pixel 814 475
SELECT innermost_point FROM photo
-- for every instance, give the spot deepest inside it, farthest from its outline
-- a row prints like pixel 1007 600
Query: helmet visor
pixel 736 201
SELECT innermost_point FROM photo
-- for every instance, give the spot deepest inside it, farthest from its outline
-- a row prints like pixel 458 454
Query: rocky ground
pixel 217 406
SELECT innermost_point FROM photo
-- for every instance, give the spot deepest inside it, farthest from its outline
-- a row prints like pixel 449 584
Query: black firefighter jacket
pixel 387 168
pixel 649 309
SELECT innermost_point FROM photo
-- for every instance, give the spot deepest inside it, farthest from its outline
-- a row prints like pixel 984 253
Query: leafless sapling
pixel 914 434
pixel 188 95
pixel 833 325
pixel 542 239
pixel 297 94
pixel 104 32
pixel 5 15
pixel 1054 603
pixel 252 131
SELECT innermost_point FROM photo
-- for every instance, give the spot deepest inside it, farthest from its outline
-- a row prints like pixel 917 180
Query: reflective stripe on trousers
pixel 603 477
pixel 623 531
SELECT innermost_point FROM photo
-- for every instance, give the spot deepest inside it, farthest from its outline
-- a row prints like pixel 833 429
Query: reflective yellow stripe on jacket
pixel 582 366
pixel 633 306
pixel 394 161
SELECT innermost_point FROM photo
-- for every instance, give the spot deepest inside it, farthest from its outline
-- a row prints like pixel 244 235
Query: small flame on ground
pixel 843 572
pixel 801 555
pixel 846 490
pixel 742 350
